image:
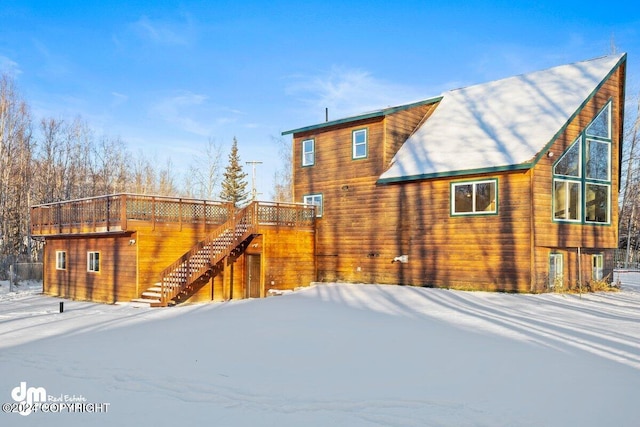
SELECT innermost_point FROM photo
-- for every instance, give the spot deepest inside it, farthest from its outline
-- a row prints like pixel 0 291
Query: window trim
pixel 566 181
pixel 608 145
pixel 319 212
pixel 608 187
pixel 354 144
pixel 609 107
pixel 90 264
pixel 474 182
pixel 583 180
pixel 61 255
pixel 550 284
pixel 312 152
pixel 595 268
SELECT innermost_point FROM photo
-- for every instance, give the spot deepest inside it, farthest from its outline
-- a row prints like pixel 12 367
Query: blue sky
pixel 166 76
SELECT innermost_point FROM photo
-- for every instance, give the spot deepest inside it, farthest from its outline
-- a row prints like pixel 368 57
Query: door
pixel 254 284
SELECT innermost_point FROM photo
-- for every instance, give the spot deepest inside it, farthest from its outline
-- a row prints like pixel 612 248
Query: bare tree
pixel 282 190
pixel 143 179
pixel 109 166
pixel 630 204
pixel 15 169
pixel 166 180
pixel 204 177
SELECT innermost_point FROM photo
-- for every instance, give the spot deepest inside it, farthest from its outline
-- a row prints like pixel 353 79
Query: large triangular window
pixel 569 164
pixel 601 125
pixel 582 175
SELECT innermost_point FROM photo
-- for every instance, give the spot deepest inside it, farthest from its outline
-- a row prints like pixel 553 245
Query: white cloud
pixel 118 99
pixel 175 33
pixel 9 66
pixel 193 113
pixel 347 91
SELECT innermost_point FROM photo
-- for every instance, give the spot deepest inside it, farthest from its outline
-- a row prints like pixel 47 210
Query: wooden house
pixel 510 185
pixel 161 250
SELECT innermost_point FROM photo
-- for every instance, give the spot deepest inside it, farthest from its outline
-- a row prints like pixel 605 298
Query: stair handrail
pixel 243 224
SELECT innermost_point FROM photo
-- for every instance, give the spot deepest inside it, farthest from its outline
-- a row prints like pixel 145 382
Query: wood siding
pixel 127 269
pixel 116 280
pixel 365 225
pixel 555 237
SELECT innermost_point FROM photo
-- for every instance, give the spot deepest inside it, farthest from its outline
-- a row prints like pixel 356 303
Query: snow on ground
pixel 331 354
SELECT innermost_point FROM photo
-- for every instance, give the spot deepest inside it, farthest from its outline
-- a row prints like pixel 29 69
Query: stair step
pixel 147 302
pixel 149 295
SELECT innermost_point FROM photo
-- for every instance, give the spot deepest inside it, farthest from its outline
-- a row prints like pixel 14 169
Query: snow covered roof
pixel 501 125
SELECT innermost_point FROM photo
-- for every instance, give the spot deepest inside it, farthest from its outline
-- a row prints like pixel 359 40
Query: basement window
pixel 556 271
pixel 474 198
pixel 93 262
pixel 61 260
pixel 597 273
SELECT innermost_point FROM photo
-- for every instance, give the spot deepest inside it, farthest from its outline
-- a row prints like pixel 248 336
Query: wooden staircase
pixel 203 261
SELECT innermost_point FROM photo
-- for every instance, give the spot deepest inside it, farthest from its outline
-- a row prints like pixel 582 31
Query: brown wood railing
pixel 202 258
pixel 112 213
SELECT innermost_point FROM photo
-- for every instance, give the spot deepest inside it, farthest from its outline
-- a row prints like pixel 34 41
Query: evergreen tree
pixel 234 184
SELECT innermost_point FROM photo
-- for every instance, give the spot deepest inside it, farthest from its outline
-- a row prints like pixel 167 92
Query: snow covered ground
pixel 331 354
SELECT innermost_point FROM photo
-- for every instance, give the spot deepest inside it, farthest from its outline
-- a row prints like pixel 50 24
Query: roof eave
pixel 374 114
pixel 449 174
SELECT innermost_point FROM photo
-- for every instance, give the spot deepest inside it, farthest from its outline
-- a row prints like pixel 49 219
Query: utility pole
pixel 254 191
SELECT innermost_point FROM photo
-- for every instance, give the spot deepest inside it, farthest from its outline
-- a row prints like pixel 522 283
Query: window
pixel 308 152
pixel 598 264
pixel 597 203
pixel 360 144
pixel 314 199
pixel 93 262
pixel 556 268
pixel 566 197
pixel 61 260
pixel 582 175
pixel 470 198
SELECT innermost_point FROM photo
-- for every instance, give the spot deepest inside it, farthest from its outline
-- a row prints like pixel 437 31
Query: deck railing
pixel 112 213
pixel 229 236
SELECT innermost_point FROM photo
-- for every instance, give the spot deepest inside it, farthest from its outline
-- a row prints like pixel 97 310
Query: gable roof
pixel 500 125
pixel 372 114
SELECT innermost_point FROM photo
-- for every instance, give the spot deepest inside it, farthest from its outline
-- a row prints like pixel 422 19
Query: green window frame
pixel 317 200
pixel 360 144
pixel 308 152
pixel 93 262
pixel 474 197
pixel 61 260
pixel 582 175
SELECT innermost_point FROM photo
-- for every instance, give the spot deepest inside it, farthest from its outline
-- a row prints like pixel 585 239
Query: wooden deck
pixel 177 243
pixel 114 213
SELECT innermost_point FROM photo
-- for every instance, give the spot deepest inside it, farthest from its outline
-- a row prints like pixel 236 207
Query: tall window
pixel 582 175
pixel 61 260
pixel 479 198
pixel 93 262
pixel 314 199
pixel 556 271
pixel 360 144
pixel 598 267
pixel 308 152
